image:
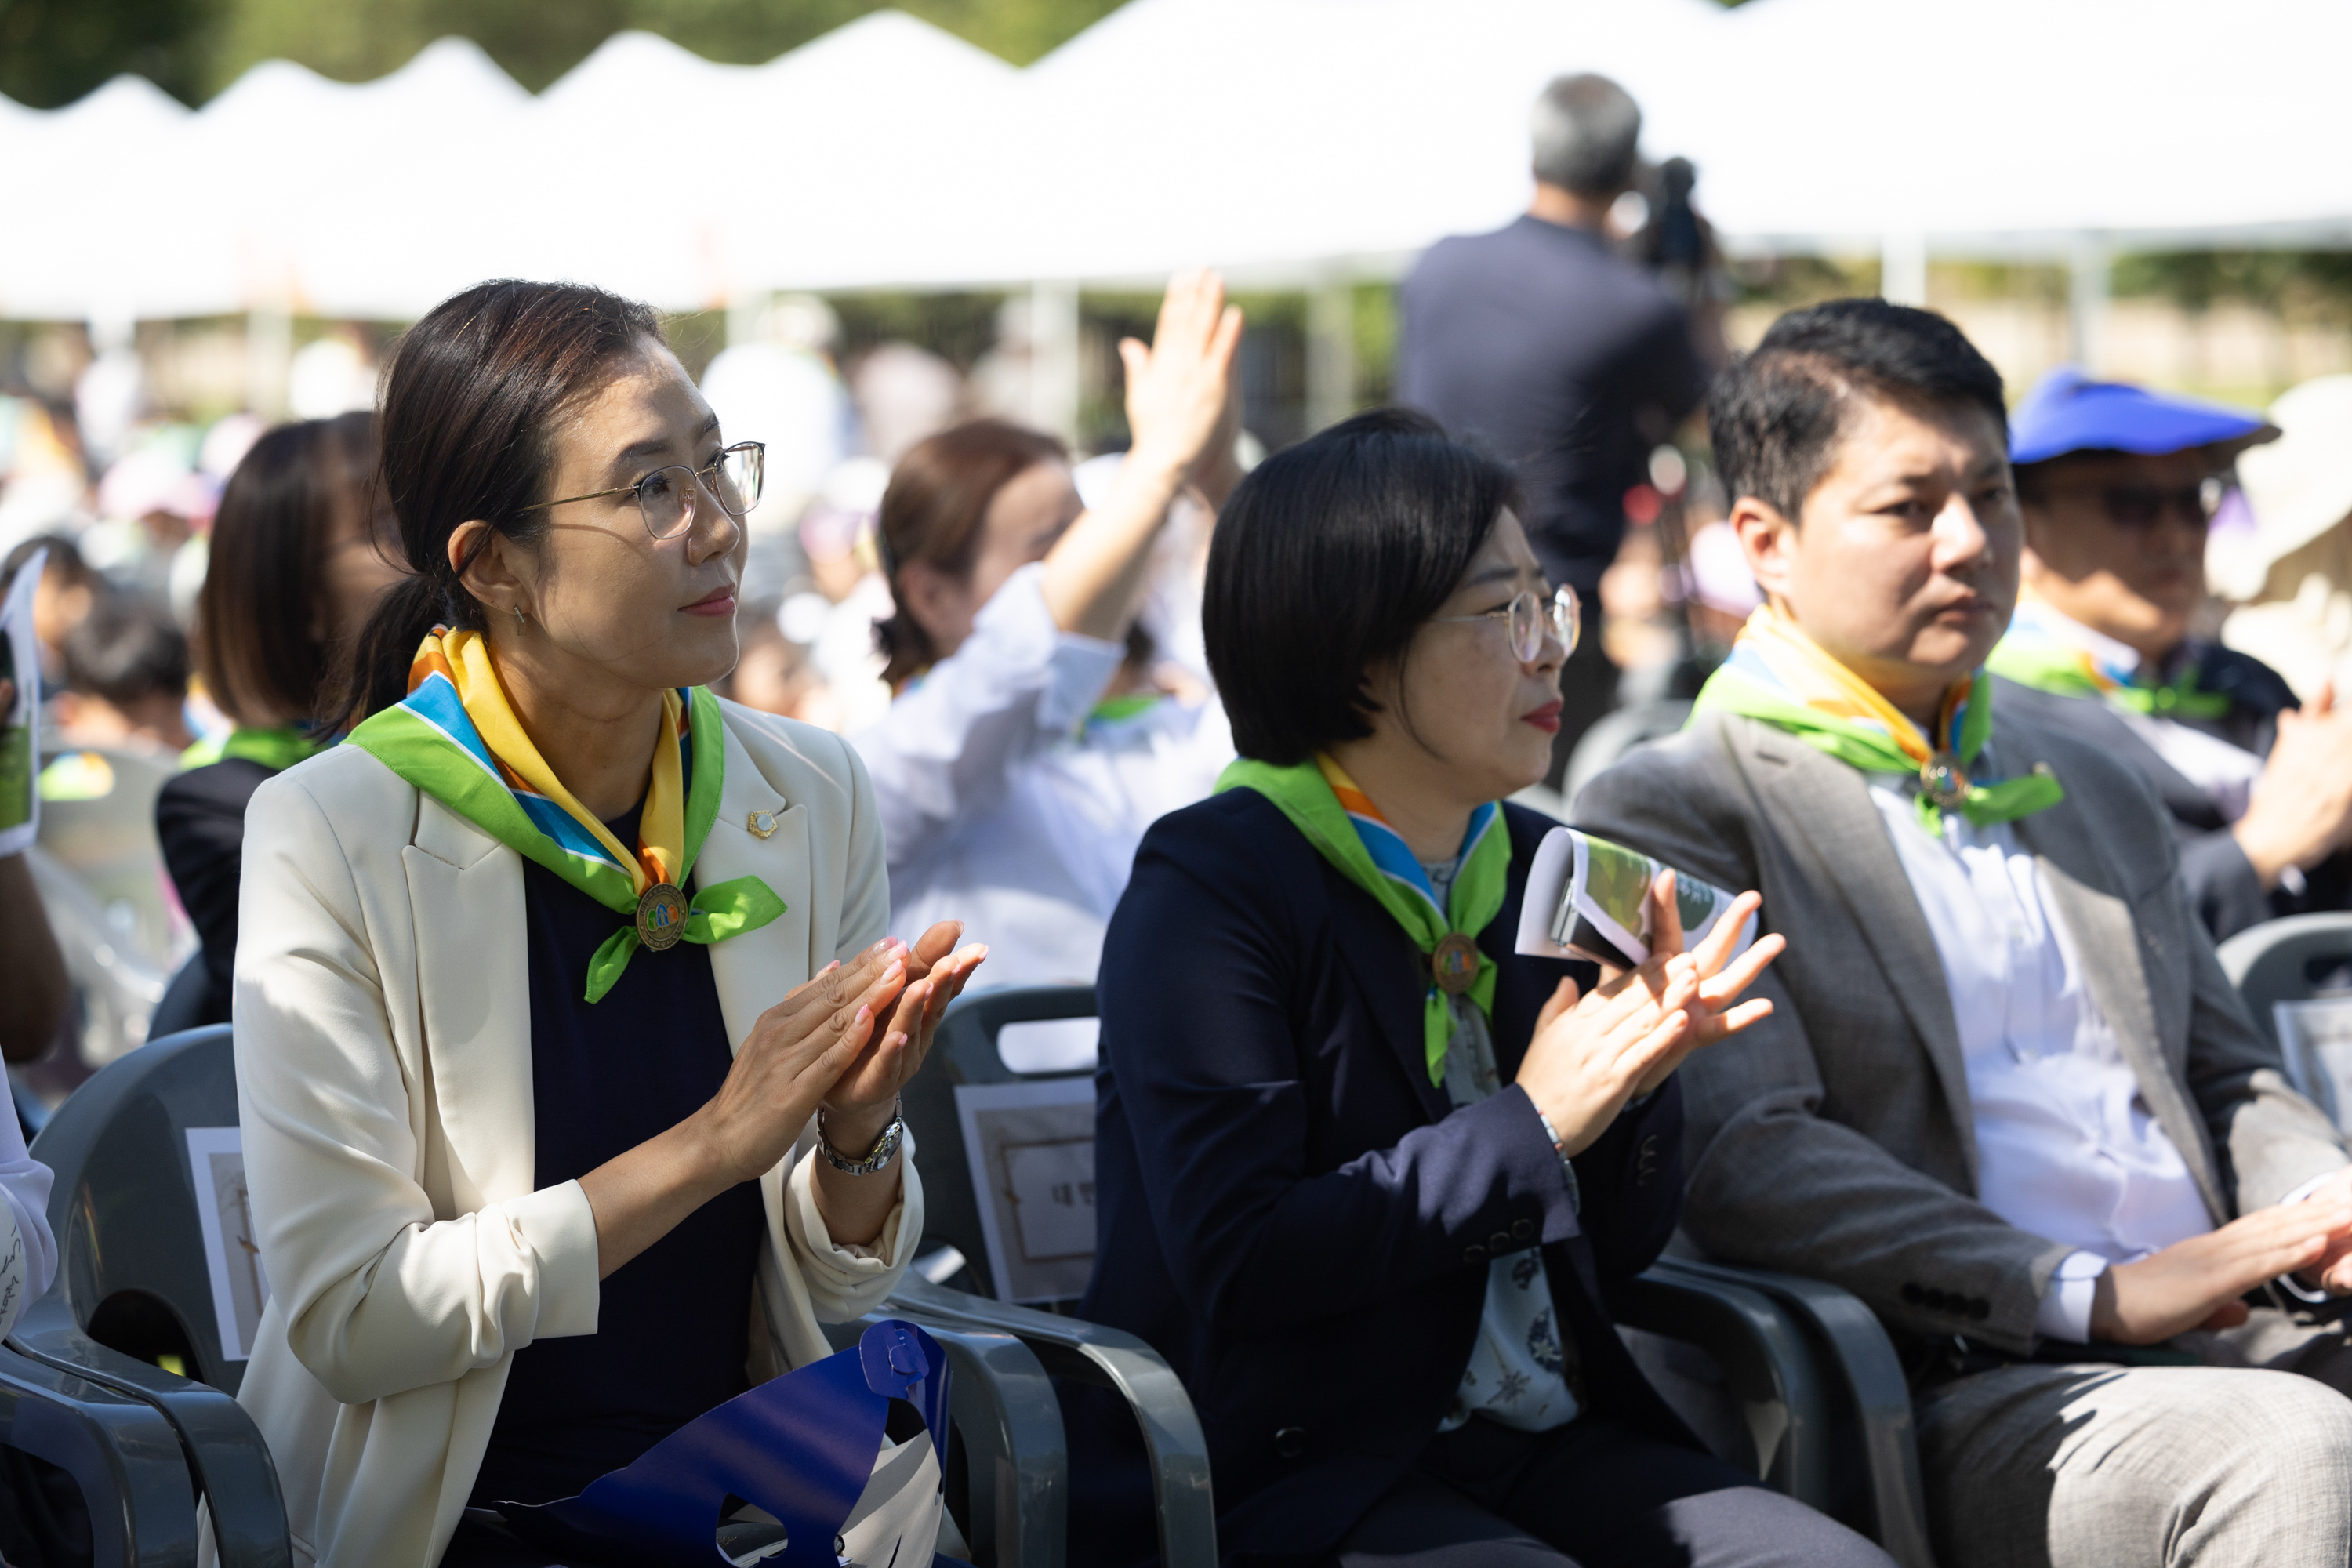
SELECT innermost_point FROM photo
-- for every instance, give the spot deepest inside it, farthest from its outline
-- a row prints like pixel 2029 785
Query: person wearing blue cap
pixel 2117 484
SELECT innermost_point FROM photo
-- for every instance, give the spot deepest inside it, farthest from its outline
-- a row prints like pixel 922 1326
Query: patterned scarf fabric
pixel 2039 653
pixel 1778 676
pixel 1324 803
pixel 456 738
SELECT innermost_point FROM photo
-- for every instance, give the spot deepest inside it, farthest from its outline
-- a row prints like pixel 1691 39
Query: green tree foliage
pixel 53 51
pixel 2299 284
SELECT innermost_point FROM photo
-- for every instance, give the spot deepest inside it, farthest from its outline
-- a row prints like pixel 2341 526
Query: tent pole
pixel 1903 268
pixel 2089 267
pixel 1053 358
pixel 269 359
pixel 1330 352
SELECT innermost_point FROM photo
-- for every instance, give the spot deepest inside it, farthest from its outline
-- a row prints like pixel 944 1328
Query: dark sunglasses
pixel 2141 508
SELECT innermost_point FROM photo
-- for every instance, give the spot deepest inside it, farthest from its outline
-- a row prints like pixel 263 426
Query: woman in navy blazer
pixel 1371 1211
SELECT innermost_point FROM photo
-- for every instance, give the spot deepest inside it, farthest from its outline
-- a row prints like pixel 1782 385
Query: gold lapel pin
pixel 762 822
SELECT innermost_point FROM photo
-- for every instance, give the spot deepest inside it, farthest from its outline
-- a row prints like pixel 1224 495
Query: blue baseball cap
pixel 2068 412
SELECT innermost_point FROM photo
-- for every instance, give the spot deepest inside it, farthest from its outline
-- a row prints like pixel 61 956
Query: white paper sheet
pixel 1587 898
pixel 240 1289
pixel 1031 1148
pixel 20 711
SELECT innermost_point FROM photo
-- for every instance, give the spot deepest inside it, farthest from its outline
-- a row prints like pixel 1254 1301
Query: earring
pixel 518 618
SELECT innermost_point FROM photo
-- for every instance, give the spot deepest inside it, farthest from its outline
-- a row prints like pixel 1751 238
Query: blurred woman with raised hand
pixel 1365 1175
pixel 569 1041
pixel 302 547
pixel 1032 740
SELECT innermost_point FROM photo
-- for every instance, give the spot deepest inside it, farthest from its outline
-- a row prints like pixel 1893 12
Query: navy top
pixel 1292 1215
pixel 1570 364
pixel 674 1323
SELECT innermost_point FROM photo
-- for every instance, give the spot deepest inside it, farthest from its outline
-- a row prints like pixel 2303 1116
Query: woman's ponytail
pixel 372 672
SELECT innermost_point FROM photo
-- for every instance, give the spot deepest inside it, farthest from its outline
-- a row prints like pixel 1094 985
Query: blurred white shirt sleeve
pixel 28 1256
pixel 954 740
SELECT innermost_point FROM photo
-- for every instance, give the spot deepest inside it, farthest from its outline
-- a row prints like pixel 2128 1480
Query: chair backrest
pixel 1036 1139
pixel 2281 967
pixel 185 998
pixel 150 1209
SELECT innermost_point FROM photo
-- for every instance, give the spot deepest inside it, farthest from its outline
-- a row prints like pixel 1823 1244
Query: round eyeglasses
pixel 1532 620
pixel 665 497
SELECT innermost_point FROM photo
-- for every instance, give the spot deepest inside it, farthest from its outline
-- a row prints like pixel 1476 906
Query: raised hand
pixel 1594 1052
pixel 1179 388
pixel 2301 810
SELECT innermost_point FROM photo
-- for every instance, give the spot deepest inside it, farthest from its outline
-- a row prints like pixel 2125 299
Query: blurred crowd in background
pixel 108 466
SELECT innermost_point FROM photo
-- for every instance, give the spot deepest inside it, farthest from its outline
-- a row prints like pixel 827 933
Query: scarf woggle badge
pixel 456 739
pixel 1344 826
pixel 1780 677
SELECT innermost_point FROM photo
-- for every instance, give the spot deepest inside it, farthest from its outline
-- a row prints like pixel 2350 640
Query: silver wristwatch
pixel 885 1147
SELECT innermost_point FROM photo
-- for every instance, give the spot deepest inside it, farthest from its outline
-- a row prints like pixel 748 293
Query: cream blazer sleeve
pixel 380 1289
pixel 384 1058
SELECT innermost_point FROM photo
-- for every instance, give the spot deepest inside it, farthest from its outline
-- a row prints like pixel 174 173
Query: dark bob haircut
pixel 470 403
pixel 1777 413
pixel 1327 561
pixel 261 639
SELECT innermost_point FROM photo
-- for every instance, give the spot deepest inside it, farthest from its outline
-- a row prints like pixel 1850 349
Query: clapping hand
pixel 1593 1052
pixel 867 1089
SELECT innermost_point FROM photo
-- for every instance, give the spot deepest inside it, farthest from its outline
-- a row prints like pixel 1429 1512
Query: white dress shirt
pixel 1006 807
pixel 2066 1146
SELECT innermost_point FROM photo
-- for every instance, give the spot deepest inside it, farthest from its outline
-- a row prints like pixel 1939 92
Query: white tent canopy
pixel 1286 140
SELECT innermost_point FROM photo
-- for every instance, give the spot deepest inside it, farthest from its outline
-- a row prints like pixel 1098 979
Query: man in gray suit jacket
pixel 2006 1096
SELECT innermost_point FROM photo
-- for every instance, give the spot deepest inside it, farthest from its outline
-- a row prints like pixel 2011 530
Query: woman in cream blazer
pixel 384 1016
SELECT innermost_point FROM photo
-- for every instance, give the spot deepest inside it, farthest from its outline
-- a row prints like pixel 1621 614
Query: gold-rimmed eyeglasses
pixel 1531 619
pixel 665 497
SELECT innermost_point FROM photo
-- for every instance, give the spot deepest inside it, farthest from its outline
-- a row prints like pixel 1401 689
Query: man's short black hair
pixel 1326 560
pixel 1775 414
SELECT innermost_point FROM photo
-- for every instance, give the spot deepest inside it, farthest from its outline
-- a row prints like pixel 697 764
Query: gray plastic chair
pixel 1177 1450
pixel 120 1451
pixel 184 995
pixel 1813 1380
pixel 2271 963
pixel 131 1265
pixel 1015 1454
pixel 132 1283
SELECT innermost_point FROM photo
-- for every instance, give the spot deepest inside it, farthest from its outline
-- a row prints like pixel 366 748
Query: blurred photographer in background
pixel 1538 343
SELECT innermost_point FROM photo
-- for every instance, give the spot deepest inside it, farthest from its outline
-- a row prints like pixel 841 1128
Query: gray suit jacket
pixel 1835 1139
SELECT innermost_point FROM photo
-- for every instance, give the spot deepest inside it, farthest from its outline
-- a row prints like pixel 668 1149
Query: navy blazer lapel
pixel 1391 972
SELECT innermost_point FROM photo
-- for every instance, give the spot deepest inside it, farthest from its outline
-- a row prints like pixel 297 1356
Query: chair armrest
pixel 1071 1347
pixel 1016 1456
pixel 1853 1342
pixel 224 1450
pixel 1765 1361
pixel 120 1451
